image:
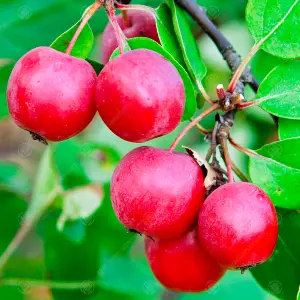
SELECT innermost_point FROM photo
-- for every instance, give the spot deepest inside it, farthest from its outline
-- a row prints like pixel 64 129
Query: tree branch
pixel 229 54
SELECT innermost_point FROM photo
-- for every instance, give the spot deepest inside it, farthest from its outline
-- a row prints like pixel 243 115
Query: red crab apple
pixel 140 96
pixel 138 24
pixel 182 264
pixel 238 225
pixel 52 94
pixel 156 192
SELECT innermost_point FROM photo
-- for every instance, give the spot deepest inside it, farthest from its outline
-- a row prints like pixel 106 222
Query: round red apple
pixel 238 225
pixel 156 192
pixel 52 94
pixel 182 264
pixel 140 96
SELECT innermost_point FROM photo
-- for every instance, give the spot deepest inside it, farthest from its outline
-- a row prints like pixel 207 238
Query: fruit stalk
pixel 225 152
pixel 207 112
pixel 121 39
pixel 86 17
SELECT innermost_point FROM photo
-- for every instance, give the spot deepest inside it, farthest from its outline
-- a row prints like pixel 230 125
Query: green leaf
pixel 280 275
pixel 82 46
pixel 80 203
pixel 263 63
pixel 188 44
pixel 25 25
pixel 167 34
pixel 5 71
pixel 46 186
pixel 145 43
pixel 279 174
pixel 263 15
pixel 130 276
pixel 282 88
pixel 288 128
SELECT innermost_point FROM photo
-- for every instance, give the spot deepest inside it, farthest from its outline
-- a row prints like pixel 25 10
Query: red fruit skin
pixel 140 96
pixel 141 24
pixel 238 225
pixel 52 94
pixel 182 264
pixel 157 192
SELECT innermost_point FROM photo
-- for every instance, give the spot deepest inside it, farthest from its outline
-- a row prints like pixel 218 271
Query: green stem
pixel 63 285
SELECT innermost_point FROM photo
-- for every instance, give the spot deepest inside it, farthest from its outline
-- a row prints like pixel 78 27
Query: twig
pixel 232 58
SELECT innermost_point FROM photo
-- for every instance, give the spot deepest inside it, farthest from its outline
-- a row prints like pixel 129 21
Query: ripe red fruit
pixel 238 225
pixel 182 264
pixel 156 192
pixel 52 94
pixel 140 24
pixel 140 96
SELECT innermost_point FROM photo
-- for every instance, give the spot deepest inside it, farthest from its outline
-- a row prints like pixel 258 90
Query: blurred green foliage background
pixel 94 258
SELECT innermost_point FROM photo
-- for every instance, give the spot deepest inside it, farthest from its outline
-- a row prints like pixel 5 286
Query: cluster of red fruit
pixel 190 241
pixel 139 95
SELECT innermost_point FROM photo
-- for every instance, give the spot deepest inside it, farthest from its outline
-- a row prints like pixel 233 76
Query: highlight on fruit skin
pixel 138 24
pixel 238 225
pixel 156 192
pixel 52 94
pixel 140 96
pixel 182 264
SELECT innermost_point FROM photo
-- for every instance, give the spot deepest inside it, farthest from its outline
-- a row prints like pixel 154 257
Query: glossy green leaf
pixel 167 33
pixel 288 128
pixel 5 71
pixel 263 15
pixel 25 25
pixel 145 43
pixel 282 88
pixel 46 186
pixel 80 203
pixel 279 173
pixel 83 44
pixel 188 44
pixel 263 63
pixel 280 275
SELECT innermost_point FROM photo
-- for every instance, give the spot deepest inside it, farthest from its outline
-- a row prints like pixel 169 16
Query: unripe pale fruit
pixel 182 264
pixel 156 192
pixel 238 225
pixel 140 24
pixel 52 94
pixel 140 96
